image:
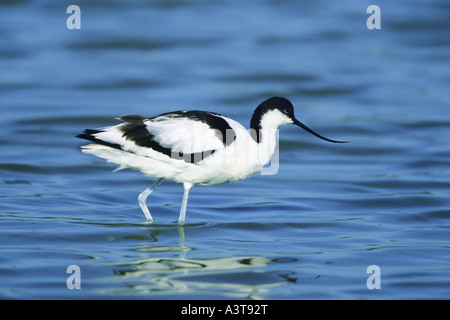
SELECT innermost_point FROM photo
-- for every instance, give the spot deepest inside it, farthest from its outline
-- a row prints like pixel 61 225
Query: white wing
pixel 182 135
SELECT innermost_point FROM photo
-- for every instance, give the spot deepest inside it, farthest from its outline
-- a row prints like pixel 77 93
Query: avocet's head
pixel 277 111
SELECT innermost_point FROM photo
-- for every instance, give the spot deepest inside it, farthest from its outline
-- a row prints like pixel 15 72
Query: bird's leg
pixel 142 198
pixel 182 218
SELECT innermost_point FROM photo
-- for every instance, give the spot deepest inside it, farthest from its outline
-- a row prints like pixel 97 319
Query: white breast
pixel 239 160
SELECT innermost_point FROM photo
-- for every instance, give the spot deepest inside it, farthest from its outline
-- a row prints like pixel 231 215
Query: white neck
pixel 267 144
pixel 268 133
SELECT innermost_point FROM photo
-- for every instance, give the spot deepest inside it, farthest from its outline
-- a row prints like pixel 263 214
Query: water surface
pixel 308 232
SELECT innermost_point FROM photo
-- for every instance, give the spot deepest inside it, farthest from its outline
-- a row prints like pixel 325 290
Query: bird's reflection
pixel 163 273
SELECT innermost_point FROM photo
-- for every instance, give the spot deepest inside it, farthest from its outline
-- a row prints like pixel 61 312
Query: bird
pixel 193 147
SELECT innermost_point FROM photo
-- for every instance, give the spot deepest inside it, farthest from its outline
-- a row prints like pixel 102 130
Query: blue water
pixel 308 232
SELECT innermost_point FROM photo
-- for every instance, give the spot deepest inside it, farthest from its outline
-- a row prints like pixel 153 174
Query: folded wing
pixel 189 136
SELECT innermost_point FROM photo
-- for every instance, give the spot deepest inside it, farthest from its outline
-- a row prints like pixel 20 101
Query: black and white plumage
pixel 193 147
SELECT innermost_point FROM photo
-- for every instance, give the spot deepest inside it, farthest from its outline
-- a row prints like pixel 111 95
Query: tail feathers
pixel 89 134
pixel 120 167
pixel 127 160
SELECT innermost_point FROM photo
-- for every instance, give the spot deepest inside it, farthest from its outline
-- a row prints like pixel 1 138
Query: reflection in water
pixel 237 277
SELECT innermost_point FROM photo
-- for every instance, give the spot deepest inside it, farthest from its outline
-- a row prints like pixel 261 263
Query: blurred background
pixel 308 232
